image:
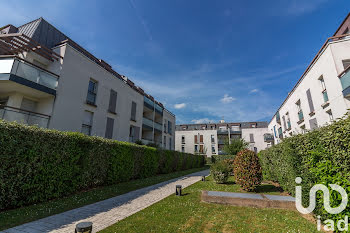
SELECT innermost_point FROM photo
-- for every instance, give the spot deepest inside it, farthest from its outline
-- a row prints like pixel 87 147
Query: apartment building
pixel 322 93
pixel 209 139
pixel 47 79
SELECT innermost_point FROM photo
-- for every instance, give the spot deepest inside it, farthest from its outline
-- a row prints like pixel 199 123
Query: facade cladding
pixel 49 80
pixel 322 94
pixel 209 139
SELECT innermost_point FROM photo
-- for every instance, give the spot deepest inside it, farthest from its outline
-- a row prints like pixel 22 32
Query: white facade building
pixel 209 139
pixel 47 79
pixel 322 93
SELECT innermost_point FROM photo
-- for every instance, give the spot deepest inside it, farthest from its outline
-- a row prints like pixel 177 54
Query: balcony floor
pixel 8 86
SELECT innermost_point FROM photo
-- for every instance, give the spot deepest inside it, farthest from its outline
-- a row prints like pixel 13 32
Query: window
pixel 183 149
pixel 289 126
pixel 183 139
pixel 346 31
pixel 134 133
pixel 92 92
pixel 324 90
pixel 313 123
pixel 201 149
pixel 133 111
pixel 213 149
pixel 196 139
pixel 274 130
pixel 346 63
pixel 195 148
pixel 109 128
pixel 284 122
pixel 303 130
pixel 212 138
pixel 169 143
pixel 3 102
pixel 309 99
pixel 112 101
pixel 164 126
pixel 251 137
pixel 300 111
pixel 253 125
pixel 201 138
pixel 87 122
pixel 170 126
pixel 330 115
pixel 164 142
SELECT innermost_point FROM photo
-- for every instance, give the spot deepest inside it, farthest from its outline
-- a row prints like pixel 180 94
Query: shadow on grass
pixel 268 188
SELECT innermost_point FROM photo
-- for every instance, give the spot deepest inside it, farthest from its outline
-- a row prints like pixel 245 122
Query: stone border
pixel 247 200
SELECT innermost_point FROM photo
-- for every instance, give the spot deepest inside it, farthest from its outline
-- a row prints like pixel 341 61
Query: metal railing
pixel 147 122
pixel 23 116
pixel 345 79
pixel 268 137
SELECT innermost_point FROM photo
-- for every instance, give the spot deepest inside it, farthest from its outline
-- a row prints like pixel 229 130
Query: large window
pixel 346 63
pixel 183 139
pixel 212 138
pixel 300 111
pixel 87 123
pixel 324 90
pixel 92 92
pixel 170 130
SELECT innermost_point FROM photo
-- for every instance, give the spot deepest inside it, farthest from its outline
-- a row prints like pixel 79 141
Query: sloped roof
pixel 42 32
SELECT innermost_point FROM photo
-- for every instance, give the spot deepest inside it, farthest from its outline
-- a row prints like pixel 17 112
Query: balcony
pixel 24 117
pixel 158 126
pixel 158 109
pixel 148 103
pixel 345 82
pixel 24 73
pixel 147 122
pixel 222 131
pixel 268 137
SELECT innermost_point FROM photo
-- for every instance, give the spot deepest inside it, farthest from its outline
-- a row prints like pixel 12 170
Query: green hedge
pixel 321 156
pixel 38 164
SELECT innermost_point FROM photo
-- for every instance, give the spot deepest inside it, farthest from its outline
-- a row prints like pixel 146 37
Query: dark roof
pixel 42 32
pixel 243 125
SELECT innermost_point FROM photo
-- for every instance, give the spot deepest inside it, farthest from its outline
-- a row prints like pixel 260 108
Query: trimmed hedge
pixel 37 165
pixel 321 156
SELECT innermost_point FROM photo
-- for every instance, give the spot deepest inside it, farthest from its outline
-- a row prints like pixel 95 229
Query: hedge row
pixel 38 164
pixel 321 156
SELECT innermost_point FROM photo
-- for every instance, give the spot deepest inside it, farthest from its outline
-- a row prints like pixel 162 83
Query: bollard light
pixel 178 190
pixel 83 227
pixel 203 178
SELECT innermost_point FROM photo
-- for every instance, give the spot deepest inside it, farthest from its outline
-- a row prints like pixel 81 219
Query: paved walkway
pixel 110 211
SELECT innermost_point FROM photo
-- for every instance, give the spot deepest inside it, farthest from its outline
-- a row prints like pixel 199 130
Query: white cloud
pixel 180 106
pixel 227 99
pixel 202 121
pixel 254 91
pixel 299 7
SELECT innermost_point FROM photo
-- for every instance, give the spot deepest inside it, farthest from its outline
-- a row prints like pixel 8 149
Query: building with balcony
pixel 209 139
pixel 47 79
pixel 322 93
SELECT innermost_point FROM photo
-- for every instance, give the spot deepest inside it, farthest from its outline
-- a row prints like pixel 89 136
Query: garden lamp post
pixel 83 227
pixel 178 190
pixel 203 178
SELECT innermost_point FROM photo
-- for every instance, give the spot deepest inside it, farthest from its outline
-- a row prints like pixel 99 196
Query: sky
pixel 204 60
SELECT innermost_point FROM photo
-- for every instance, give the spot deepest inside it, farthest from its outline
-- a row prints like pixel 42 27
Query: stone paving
pixel 106 213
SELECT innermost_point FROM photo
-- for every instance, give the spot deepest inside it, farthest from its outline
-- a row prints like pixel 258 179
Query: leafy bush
pixel 38 164
pixel 234 146
pixel 247 170
pixel 217 158
pixel 230 163
pixel 321 156
pixel 220 171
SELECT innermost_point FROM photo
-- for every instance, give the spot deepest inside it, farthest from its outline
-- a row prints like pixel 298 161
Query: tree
pixel 236 145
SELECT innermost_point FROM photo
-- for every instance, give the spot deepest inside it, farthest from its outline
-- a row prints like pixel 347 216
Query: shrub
pixel 247 170
pixel 230 163
pixel 234 146
pixel 217 158
pixel 220 172
pixel 38 164
pixel 321 156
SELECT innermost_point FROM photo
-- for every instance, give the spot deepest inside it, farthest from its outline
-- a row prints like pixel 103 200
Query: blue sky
pixel 203 60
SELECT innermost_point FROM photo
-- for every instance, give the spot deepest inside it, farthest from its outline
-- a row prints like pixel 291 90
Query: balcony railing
pixel 29 72
pixel 149 103
pixel 158 109
pixel 268 137
pixel 147 122
pixel 158 126
pixel 23 116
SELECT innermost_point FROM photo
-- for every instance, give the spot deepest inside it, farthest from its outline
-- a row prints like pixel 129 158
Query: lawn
pixel 188 214
pixel 11 218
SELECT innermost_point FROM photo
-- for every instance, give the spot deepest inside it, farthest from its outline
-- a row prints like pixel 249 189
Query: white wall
pixel 72 90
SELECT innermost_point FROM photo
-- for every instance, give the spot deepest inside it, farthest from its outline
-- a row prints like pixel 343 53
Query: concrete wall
pixel 258 135
pixel 328 65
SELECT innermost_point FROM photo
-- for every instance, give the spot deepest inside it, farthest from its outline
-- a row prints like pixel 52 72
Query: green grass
pixel 11 218
pixel 188 214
